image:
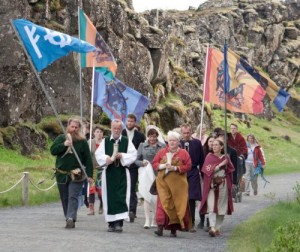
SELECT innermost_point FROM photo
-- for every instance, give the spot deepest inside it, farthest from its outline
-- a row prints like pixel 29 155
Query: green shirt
pixel 69 161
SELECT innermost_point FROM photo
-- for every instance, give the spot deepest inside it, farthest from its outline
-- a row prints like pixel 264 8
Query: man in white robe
pixel 117 153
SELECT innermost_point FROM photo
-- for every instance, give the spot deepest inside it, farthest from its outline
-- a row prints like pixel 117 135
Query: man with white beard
pixel 117 153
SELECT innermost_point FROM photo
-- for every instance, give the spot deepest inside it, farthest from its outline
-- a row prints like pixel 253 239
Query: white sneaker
pixel 153 225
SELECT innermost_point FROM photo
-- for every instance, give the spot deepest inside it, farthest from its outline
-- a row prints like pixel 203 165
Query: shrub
pixel 286 238
pixel 296 188
pixel 266 128
pixel 104 119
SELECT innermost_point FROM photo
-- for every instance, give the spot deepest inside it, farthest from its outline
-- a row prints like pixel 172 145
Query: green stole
pixel 116 180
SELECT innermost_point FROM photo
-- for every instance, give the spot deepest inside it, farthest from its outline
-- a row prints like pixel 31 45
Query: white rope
pixel 13 186
pixel 40 189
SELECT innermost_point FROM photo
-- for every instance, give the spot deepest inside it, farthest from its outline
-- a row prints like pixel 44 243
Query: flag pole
pixel 80 69
pixel 46 94
pixel 226 90
pixel 204 91
pixel 92 107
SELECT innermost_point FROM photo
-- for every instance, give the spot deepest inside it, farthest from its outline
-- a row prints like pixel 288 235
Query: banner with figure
pixel 102 57
pixel 118 100
pixel 44 46
pixel 245 94
pixel 276 94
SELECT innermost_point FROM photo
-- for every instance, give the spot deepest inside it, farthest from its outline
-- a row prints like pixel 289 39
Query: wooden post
pixel 25 195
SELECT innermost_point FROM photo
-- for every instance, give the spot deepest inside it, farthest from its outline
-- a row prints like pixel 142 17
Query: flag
pixel 244 94
pixel 276 94
pixel 116 99
pixel 103 57
pixel 44 46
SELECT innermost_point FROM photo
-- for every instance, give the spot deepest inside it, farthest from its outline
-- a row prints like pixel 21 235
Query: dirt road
pixel 41 228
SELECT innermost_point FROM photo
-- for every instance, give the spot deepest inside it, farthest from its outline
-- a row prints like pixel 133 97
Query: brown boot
pixel 159 231
pixel 91 209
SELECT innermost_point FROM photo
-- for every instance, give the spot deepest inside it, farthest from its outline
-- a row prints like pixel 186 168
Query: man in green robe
pixel 67 165
pixel 117 153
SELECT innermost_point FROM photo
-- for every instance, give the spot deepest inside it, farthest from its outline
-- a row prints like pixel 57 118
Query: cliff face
pixel 159 53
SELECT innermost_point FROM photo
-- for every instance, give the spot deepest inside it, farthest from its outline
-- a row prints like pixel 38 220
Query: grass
pixel 280 140
pixel 12 168
pixel 281 155
pixel 258 232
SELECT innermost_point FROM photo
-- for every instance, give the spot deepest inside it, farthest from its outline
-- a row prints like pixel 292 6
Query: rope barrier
pixel 13 186
pixel 41 189
pixel 35 186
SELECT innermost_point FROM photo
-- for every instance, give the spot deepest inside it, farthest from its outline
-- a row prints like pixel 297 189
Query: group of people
pixel 171 176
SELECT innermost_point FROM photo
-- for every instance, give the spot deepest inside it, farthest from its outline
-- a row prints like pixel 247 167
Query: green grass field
pixel 279 138
pixel 12 168
pixel 258 231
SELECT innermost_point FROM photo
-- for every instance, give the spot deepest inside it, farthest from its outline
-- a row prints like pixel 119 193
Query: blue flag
pixel 116 99
pixel 44 46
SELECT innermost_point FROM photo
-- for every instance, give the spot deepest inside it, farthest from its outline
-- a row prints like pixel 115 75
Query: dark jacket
pixel 138 138
pixel 239 144
pixel 234 159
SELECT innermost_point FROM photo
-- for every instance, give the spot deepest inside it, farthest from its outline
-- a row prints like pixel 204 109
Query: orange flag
pixel 245 94
pixel 102 58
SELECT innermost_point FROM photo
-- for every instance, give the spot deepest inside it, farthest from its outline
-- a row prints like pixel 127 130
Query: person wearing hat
pixel 172 164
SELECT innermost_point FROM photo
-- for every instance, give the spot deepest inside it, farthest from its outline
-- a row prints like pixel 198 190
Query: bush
pixel 296 188
pixel 286 239
pixel 104 119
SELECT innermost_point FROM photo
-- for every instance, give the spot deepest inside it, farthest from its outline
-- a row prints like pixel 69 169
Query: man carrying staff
pixel 117 153
pixel 69 174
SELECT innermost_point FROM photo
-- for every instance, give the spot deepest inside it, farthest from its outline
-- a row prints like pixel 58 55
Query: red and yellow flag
pixel 102 57
pixel 245 94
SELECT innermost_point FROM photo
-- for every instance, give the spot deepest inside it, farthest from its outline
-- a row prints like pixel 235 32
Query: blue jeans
pixel 69 193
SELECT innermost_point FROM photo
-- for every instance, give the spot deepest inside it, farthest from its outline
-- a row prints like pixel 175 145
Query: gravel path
pixel 41 228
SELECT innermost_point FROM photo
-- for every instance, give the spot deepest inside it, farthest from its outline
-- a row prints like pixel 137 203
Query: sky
pixel 142 5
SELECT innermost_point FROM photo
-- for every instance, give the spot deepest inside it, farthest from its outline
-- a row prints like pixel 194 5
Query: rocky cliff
pixel 159 53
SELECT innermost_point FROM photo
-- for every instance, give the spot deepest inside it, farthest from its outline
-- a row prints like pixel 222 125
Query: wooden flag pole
pixel 80 72
pixel 226 81
pixel 92 107
pixel 204 91
pixel 47 95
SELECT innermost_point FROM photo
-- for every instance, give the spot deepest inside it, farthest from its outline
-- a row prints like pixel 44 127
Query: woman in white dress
pixel 145 155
